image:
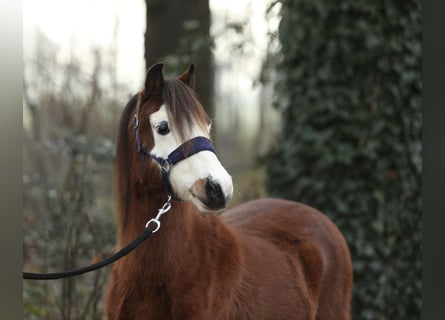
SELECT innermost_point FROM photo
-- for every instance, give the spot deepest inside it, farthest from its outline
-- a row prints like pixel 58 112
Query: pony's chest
pixel 159 301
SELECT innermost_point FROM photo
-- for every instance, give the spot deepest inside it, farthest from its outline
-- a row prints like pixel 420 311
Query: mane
pixel 122 163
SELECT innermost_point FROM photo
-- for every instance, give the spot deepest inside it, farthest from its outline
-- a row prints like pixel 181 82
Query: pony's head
pixel 172 130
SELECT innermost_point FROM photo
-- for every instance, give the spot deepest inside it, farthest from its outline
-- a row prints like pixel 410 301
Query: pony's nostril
pixel 215 196
pixel 212 188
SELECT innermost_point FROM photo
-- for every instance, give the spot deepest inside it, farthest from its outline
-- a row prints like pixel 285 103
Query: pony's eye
pixel 162 128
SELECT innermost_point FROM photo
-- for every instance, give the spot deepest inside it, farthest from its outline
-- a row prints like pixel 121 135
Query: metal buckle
pixel 166 166
pixel 164 209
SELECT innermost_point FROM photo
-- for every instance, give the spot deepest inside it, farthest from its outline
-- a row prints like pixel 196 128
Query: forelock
pixel 183 106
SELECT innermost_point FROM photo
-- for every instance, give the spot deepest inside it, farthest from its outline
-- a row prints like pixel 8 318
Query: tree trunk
pixel 178 33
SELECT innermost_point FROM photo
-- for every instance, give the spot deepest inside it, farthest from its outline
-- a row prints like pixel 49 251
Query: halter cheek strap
pixel 185 150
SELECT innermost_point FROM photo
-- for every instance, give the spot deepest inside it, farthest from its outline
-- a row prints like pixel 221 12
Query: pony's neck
pixel 178 227
pixel 139 194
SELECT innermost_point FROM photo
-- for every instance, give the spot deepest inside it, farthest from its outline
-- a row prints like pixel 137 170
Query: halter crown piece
pixel 185 150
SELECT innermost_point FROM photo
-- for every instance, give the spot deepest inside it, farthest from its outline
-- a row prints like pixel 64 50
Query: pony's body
pixel 266 259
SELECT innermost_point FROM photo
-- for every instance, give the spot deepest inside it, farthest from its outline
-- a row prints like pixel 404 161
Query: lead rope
pixel 121 253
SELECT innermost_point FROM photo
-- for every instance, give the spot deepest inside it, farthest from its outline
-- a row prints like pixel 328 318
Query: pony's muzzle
pixel 211 194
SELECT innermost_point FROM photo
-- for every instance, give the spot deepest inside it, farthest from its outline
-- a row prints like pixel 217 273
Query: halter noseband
pixel 185 150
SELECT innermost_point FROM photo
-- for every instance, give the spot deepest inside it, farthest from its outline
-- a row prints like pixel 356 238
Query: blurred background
pixel 312 101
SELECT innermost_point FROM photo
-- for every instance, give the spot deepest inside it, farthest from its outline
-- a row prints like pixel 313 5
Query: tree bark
pixel 181 29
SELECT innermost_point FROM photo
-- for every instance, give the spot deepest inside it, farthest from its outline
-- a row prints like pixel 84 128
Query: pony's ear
pixel 188 76
pixel 154 81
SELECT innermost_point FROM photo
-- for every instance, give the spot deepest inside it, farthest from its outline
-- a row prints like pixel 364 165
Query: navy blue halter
pixel 185 150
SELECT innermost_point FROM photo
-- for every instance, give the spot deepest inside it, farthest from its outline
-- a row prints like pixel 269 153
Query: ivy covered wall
pixel 349 88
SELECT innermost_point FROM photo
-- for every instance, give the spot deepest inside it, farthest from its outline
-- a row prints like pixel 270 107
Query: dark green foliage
pixel 349 89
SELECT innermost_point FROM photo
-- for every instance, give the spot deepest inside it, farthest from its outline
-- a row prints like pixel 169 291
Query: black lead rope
pixel 123 252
